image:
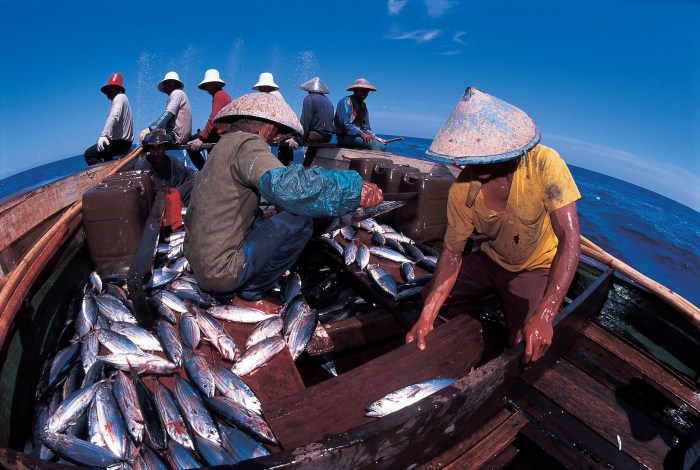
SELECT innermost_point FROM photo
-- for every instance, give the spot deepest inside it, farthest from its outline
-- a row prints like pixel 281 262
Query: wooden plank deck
pixel 339 404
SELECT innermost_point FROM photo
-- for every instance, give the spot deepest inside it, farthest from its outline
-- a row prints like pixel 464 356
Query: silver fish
pixel 60 366
pixel 155 435
pixel 240 445
pixel 116 343
pixel 189 330
pixel 296 310
pixel 300 332
pixel 258 355
pixel 408 293
pixel 170 416
pixel 116 291
pixel 95 283
pixel 230 385
pixel 388 253
pixel 428 263
pixel 94 428
pixel 350 253
pixel 125 393
pixel 212 454
pixel 141 337
pixel 370 225
pixel 238 415
pixel 264 329
pixel 378 238
pixel 406 396
pixel 412 251
pixel 161 277
pixel 328 365
pixel 110 421
pixel 71 409
pixel 169 298
pixel 291 287
pixel 89 349
pixel 180 265
pixel 87 316
pixel 348 232
pixel 114 309
pixel 427 250
pixel 332 244
pixel 153 462
pixel 238 313
pixel 398 237
pixel 407 272
pixel 215 333
pixel 179 457
pixel 140 363
pixel 194 410
pixel 362 257
pixel 172 345
pixel 383 279
pixel 199 371
pixel 78 450
pixel 395 245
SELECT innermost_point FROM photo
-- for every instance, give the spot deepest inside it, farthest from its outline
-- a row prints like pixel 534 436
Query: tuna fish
pixel 406 396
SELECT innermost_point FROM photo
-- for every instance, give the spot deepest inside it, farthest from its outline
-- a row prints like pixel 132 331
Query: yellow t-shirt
pixel 521 237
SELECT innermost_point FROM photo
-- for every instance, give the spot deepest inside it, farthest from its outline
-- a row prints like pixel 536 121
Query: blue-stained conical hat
pixel 263 106
pixel 483 129
pixel 315 85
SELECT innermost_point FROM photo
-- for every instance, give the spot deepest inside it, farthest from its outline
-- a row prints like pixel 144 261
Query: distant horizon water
pixel 651 232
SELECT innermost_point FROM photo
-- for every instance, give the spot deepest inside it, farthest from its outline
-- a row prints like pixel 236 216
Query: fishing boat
pixel 619 387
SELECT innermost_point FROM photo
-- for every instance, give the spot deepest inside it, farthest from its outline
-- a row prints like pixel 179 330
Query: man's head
pixel 212 82
pixel 114 86
pixel 170 82
pixel 266 83
pixel 315 85
pixel 261 112
pixel 482 130
pixel 156 145
pixel 361 88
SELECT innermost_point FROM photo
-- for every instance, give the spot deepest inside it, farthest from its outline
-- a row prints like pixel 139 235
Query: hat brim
pixel 361 87
pixel 180 84
pixel 201 85
pixel 112 85
pixel 484 159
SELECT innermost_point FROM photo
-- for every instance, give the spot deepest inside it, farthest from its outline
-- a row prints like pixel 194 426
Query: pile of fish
pixel 387 244
pixel 120 395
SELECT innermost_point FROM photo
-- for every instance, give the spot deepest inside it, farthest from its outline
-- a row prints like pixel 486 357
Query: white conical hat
pixel 265 79
pixel 170 76
pixel 261 105
pixel 483 129
pixel 315 85
pixel 211 76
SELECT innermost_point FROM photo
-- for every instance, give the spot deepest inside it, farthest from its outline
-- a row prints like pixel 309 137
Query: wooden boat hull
pixel 493 411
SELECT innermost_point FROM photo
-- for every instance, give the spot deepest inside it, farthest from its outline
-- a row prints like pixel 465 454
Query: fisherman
pixel 117 135
pixel 520 196
pixel 266 84
pixel 316 116
pixel 287 143
pixel 177 117
pixel 230 248
pixel 212 84
pixel 352 119
pixel 165 169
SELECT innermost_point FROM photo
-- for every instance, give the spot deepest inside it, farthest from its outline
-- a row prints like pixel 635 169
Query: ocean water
pixel 655 235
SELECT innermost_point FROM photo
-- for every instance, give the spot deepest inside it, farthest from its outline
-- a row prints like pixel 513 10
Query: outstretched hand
pixel 418 332
pixel 537 334
pixel 371 194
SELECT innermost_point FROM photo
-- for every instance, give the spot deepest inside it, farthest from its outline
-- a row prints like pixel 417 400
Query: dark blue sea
pixel 654 234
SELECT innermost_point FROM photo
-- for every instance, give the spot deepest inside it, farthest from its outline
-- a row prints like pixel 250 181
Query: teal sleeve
pixel 162 121
pixel 314 192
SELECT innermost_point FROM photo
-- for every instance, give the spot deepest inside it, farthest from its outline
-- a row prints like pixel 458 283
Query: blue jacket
pixel 351 117
pixel 317 114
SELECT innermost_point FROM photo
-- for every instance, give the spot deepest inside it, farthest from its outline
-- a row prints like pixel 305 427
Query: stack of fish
pixel 104 399
pixel 389 245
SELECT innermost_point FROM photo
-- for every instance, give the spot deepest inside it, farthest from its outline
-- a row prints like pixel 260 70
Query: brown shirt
pixel 223 206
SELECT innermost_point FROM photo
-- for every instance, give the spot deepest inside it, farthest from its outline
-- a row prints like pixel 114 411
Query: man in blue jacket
pixel 230 248
pixel 352 119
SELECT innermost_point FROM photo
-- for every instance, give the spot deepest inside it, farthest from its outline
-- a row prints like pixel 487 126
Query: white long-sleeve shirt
pixel 119 124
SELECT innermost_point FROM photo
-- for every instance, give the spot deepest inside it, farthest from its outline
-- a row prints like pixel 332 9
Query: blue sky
pixel 613 85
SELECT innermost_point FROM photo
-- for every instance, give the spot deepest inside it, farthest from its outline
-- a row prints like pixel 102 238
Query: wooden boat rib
pixel 599 398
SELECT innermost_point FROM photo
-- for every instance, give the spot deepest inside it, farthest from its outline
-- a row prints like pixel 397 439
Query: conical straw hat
pixel 261 105
pixel 483 129
pixel 315 85
pixel 361 83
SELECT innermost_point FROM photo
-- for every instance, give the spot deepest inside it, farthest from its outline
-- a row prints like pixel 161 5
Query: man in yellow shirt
pixel 520 196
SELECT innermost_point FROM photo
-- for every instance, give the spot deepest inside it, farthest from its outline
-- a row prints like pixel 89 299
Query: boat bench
pixel 338 404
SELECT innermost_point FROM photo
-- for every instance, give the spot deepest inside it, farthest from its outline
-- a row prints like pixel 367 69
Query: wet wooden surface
pixel 339 404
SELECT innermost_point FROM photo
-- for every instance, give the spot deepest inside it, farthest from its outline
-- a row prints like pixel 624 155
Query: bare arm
pixel 446 271
pixel 538 331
